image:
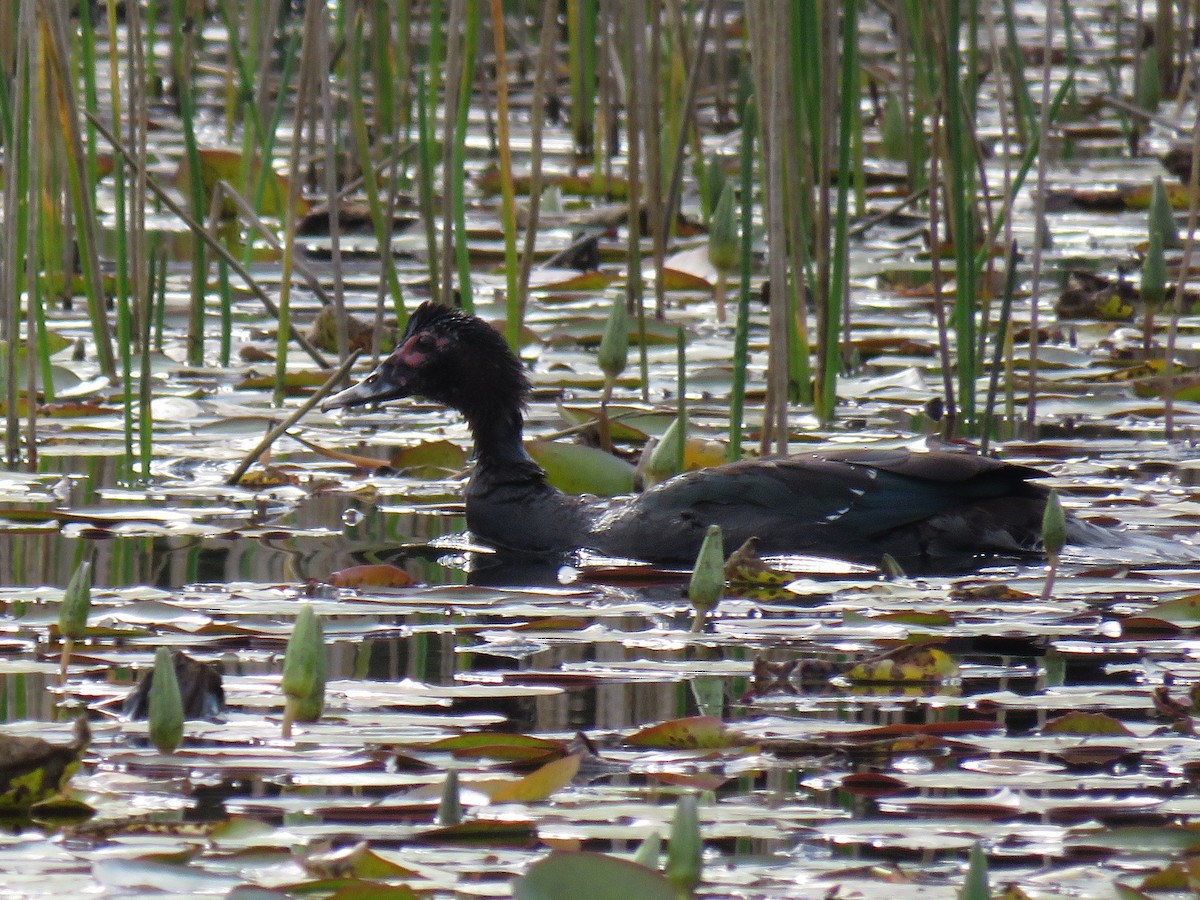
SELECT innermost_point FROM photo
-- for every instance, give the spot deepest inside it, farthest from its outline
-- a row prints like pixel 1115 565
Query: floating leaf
pixel 595 280
pixel 1085 723
pixel 745 567
pixel 263 477
pixel 496 745
pixel 377 575
pixel 591 876
pixel 694 733
pixel 430 459
pixel 370 463
pixel 579 469
pixel 911 662
pixel 357 861
pixel 1181 612
pixel 360 335
pixel 294 382
pixel 539 784
pixel 33 770
pixel 483 832
pixel 576 185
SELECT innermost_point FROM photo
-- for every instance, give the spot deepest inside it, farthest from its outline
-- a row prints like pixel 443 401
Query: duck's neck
pixel 499 443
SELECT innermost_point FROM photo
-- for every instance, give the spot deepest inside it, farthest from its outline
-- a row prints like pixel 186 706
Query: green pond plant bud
pixel 73 614
pixel 685 852
pixel 714 173
pixel 707 585
pixel 894 136
pixel 1054 537
pixel 304 670
pixel 450 810
pixel 664 458
pixel 1149 82
pixel 648 851
pixel 1154 284
pixel 165 704
pixel 1162 216
pixel 976 886
pixel 1054 525
pixel 723 236
pixel 77 603
pixel 723 250
pixel 614 346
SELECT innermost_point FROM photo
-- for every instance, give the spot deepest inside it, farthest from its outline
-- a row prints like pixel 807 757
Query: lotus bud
pixel 1054 537
pixel 76 603
pixel 614 346
pixel 890 567
pixel 714 183
pixel 708 577
pixel 166 704
pixel 723 234
pixel 976 884
pixel 1154 272
pixel 648 851
pixel 73 614
pixel 1162 216
pixel 665 457
pixel 1149 81
pixel 893 129
pixel 304 669
pixel 1054 526
pixel 450 806
pixel 685 853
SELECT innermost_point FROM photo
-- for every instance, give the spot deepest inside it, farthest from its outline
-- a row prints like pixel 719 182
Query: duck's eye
pixel 426 341
pixel 372 378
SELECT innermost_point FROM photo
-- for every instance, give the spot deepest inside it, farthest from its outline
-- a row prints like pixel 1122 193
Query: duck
pixel 929 510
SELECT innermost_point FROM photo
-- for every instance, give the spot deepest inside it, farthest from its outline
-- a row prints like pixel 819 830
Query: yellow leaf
pixel 692 733
pixel 911 662
pixel 379 575
pixel 539 784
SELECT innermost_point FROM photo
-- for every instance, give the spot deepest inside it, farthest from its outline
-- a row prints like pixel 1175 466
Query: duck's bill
pixel 377 387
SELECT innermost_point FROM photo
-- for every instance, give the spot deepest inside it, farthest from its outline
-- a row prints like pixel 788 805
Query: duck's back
pixel 922 508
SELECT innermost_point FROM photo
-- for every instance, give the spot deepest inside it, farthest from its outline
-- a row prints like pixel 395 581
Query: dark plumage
pixel 928 510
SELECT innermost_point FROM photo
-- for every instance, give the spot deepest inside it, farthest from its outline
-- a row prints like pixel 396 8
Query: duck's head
pixel 451 358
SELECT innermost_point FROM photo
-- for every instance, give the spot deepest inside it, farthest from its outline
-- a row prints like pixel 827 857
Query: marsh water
pixel 811 786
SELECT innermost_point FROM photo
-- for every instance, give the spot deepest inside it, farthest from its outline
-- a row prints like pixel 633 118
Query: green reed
pixel 961 155
pixel 426 153
pixel 370 184
pixel 120 245
pixel 183 53
pixel 581 66
pixel 514 302
pixel 454 180
pixel 839 275
pixel 741 350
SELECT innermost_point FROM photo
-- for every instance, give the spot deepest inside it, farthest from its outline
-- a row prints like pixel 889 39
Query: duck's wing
pixel 840 503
